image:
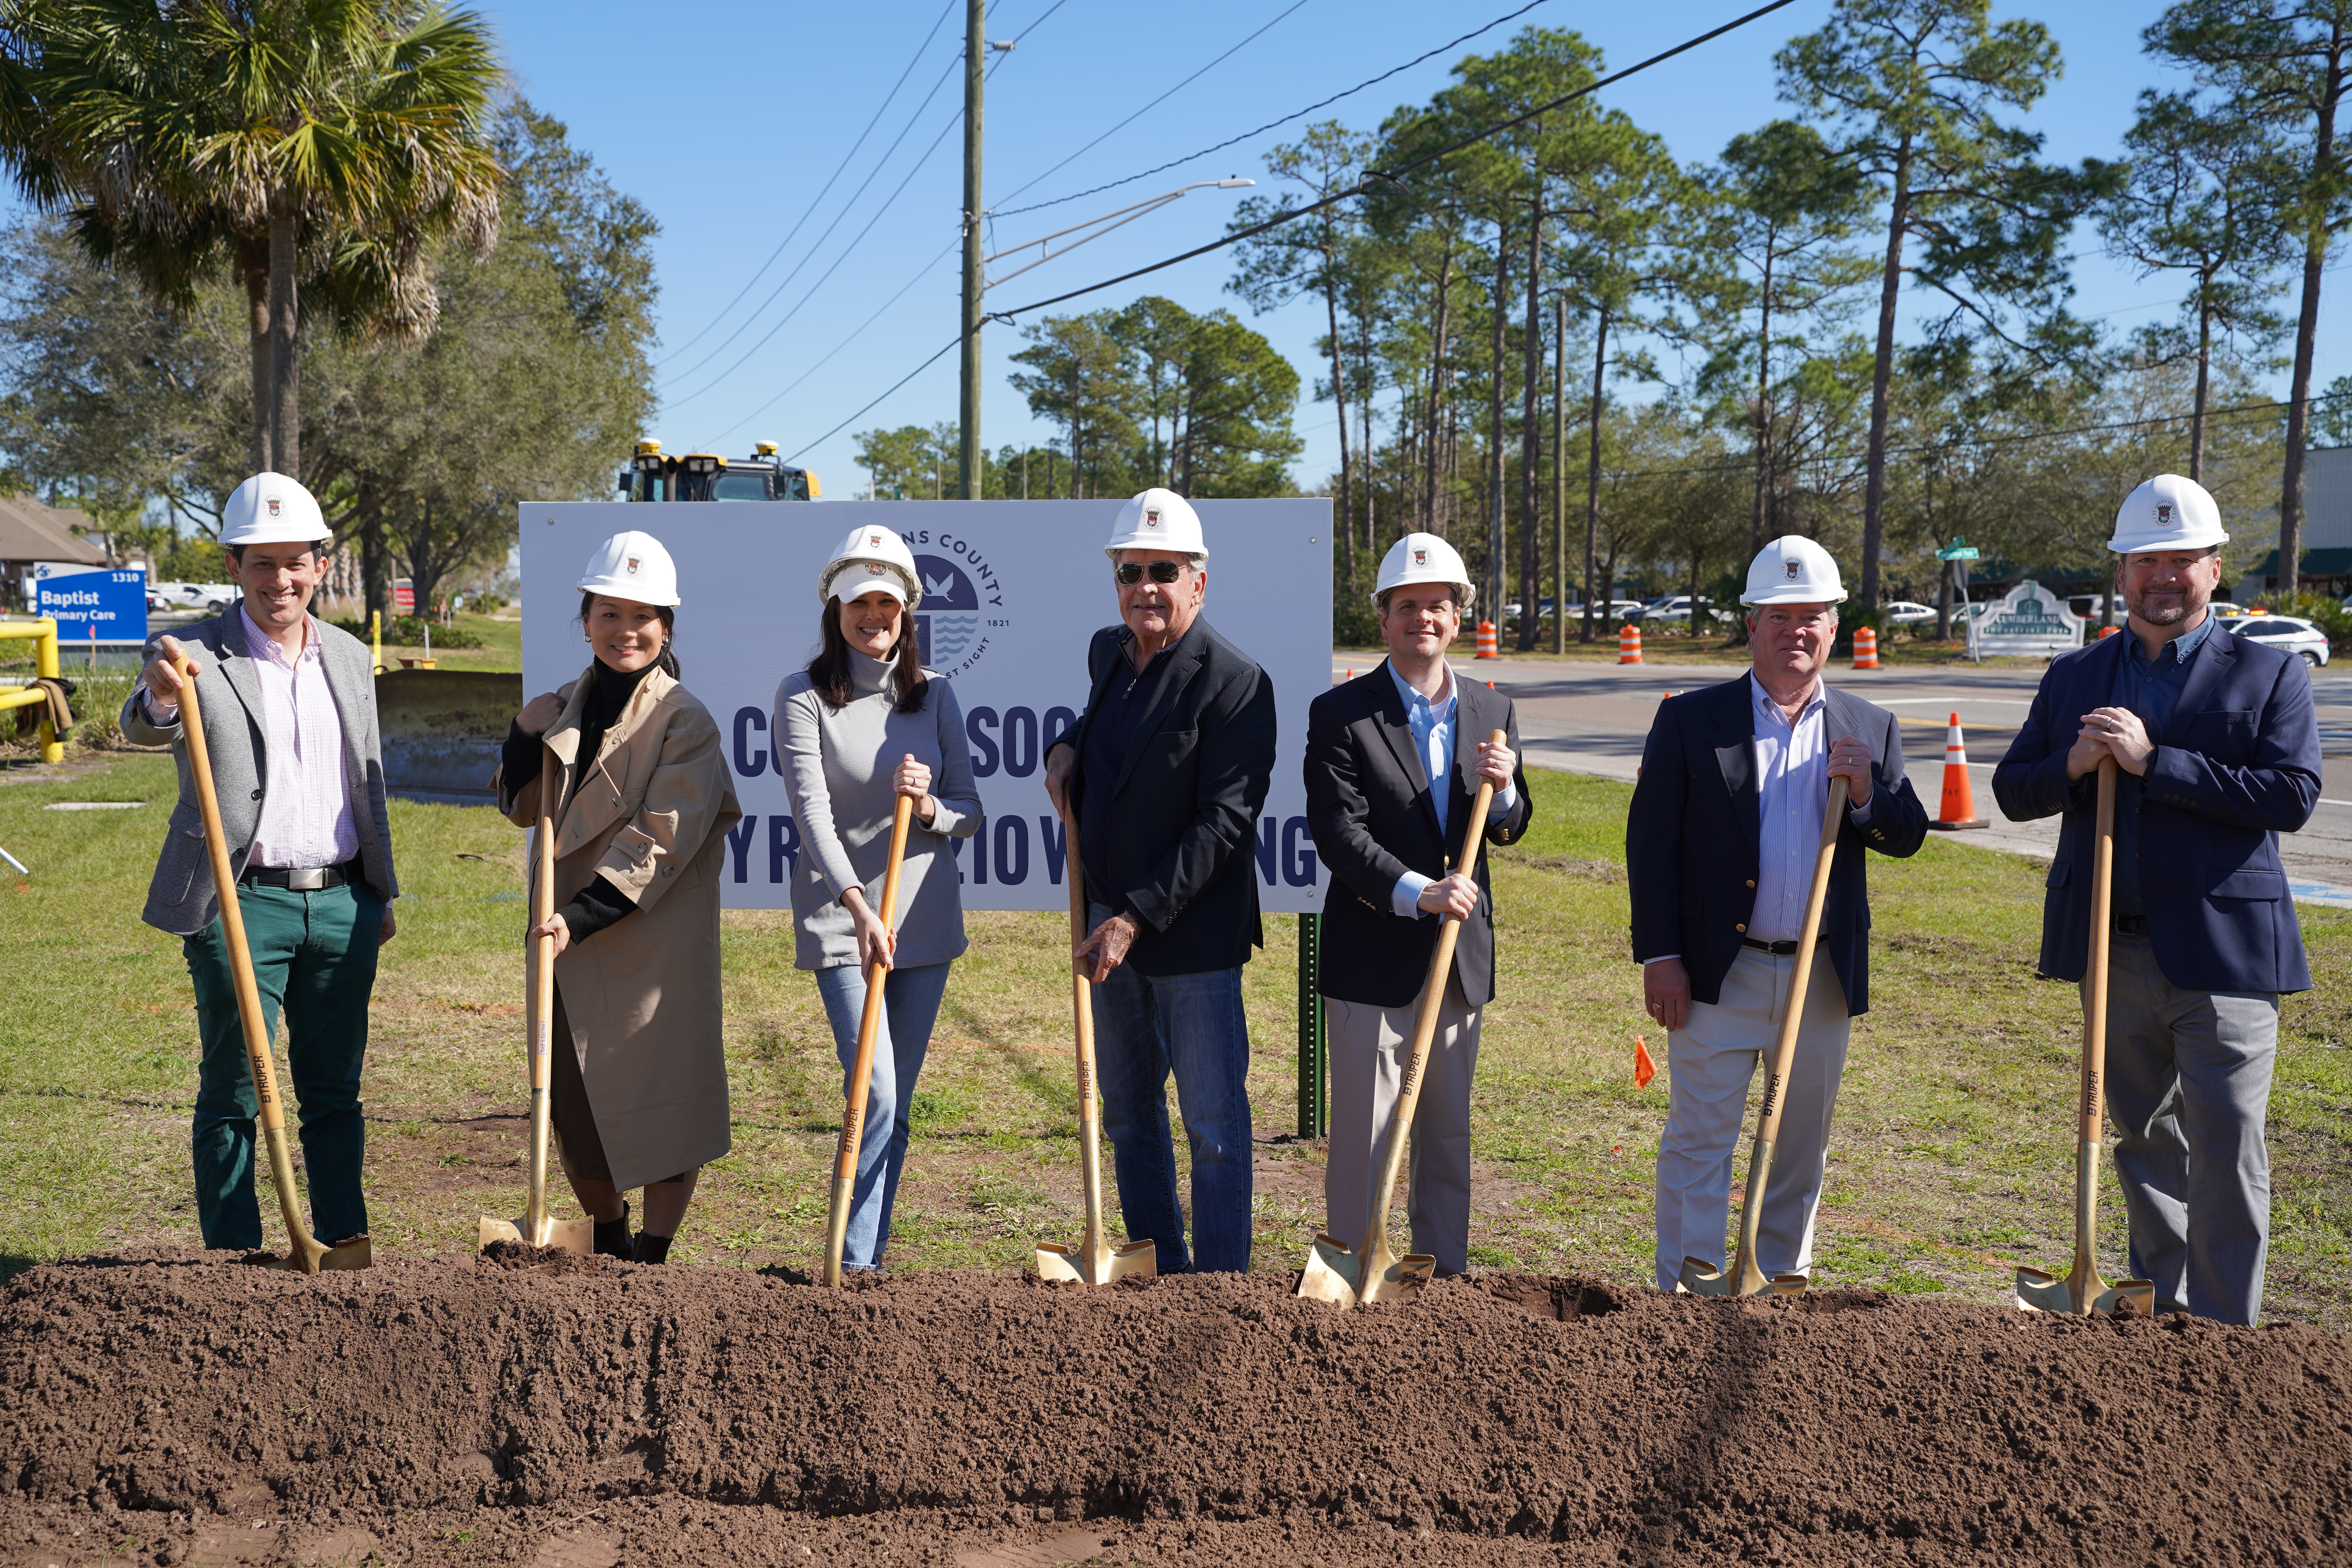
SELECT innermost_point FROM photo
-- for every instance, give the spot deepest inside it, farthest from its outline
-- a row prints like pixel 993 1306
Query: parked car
pixel 213 596
pixel 2290 632
pixel 1676 610
pixel 1908 612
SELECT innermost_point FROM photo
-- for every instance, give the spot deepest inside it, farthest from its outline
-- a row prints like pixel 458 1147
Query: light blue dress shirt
pixel 1432 738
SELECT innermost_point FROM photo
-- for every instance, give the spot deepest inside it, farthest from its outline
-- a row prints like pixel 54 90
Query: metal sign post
pixel 1961 551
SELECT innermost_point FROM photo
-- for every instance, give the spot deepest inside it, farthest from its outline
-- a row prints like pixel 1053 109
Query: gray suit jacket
pixel 180 900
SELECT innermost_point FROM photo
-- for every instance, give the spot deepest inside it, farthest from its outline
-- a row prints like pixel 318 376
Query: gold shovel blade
pixel 1331 1273
pixel 577 1236
pixel 2040 1292
pixel 1401 1279
pixel 1701 1279
pixel 1070 1264
pixel 346 1259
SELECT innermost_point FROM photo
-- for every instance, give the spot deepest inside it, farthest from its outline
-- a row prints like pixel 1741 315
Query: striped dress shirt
pixel 306 803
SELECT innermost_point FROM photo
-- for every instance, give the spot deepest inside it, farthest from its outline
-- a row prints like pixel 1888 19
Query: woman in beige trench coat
pixel 643 803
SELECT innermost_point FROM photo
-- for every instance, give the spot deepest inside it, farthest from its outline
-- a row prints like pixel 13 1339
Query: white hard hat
pixel 633 565
pixel 1423 558
pixel 270 509
pixel 2168 512
pixel 1793 570
pixel 1157 520
pixel 871 557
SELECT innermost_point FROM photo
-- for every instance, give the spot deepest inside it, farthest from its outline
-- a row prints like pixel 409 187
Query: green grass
pixel 1951 1163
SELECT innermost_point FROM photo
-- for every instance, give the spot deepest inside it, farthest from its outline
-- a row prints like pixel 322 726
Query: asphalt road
pixel 1591 718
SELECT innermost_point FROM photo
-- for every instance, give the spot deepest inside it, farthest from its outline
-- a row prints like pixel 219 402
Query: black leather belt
pixel 2131 925
pixel 1776 948
pixel 308 879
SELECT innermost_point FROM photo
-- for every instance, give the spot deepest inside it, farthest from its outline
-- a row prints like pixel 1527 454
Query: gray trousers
pixel 2189 1086
pixel 1368 1046
pixel 1710 1061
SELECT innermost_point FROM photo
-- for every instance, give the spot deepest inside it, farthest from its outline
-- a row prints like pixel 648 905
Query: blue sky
pixel 726 118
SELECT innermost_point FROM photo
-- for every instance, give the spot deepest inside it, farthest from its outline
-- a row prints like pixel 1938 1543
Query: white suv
pixel 2291 632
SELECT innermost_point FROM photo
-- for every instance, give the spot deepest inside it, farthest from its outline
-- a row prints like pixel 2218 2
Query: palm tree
pixel 328 140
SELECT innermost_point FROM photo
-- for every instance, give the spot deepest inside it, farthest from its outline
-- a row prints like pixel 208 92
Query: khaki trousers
pixel 1709 1063
pixel 1369 1046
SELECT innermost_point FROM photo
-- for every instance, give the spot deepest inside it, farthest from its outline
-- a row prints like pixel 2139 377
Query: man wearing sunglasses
pixel 1166 772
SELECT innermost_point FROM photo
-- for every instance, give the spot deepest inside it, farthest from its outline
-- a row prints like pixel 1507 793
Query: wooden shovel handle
pixel 1082 1030
pixel 542 1021
pixel 272 1110
pixel 869 1022
pixel 1784 1045
pixel 2095 1000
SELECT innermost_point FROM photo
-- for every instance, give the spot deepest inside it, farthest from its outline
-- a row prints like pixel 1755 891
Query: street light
pixel 1101 227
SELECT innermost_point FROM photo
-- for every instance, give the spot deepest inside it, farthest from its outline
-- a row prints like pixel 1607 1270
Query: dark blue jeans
pixel 313 957
pixel 1147 1028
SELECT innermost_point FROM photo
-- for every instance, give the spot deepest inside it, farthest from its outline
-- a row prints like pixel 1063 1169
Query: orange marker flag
pixel 1645 1070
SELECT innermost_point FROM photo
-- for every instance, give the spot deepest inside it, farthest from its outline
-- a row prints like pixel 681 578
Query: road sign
pixel 1958 553
pixel 114 602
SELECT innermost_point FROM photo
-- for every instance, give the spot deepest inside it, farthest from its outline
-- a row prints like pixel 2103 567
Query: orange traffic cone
pixel 1488 648
pixel 1959 808
pixel 1865 649
pixel 1629 644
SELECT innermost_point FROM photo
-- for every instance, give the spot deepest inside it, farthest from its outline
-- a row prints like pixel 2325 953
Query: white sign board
pixel 2029 619
pixel 1012 590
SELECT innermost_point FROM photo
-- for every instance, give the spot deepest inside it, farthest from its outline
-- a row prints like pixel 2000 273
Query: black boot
pixel 652 1249
pixel 612 1237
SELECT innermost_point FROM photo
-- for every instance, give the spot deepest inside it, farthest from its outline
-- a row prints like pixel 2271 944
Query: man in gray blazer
pixel 288 707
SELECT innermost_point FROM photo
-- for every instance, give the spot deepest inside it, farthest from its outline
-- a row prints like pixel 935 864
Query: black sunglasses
pixel 1163 573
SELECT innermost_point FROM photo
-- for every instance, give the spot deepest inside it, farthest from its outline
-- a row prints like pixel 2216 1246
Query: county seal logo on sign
pixel 962 604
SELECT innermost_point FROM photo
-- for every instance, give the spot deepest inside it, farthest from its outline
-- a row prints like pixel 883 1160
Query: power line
pixel 1397 174
pixel 1042 18
pixel 1156 100
pixel 846 251
pixel 894 386
pixel 1296 212
pixel 818 244
pixel 922 272
pixel 1269 125
pixel 818 200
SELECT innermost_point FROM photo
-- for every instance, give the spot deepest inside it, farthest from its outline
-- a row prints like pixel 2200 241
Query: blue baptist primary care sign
pixel 1012 592
pixel 115 603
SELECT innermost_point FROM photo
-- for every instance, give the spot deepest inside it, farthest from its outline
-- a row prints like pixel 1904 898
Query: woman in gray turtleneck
pixel 862 725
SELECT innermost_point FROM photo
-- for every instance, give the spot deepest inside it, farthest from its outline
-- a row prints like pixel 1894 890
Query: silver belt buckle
pixel 306 880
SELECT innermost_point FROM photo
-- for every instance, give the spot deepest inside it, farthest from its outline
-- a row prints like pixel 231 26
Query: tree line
pixel 325 239
pixel 1487 315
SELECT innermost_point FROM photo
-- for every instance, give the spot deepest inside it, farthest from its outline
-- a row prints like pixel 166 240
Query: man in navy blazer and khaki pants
pixel 1719 849
pixel 1394 764
pixel 2217 753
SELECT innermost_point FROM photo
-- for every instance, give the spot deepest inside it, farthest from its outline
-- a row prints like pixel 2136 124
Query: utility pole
pixel 1559 474
pixel 975 59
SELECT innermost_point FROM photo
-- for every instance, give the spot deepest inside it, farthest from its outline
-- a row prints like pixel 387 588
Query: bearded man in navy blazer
pixel 1719 851
pixel 2217 753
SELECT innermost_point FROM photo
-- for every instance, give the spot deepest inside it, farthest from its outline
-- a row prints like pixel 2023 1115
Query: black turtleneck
pixel 599 904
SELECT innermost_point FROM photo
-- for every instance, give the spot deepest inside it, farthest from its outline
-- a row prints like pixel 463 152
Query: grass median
pixel 1951 1162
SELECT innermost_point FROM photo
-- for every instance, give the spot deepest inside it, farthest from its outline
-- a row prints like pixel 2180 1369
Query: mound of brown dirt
pixel 425 1412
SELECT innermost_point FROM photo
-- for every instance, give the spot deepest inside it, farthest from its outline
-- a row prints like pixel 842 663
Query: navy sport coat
pixel 2236 765
pixel 1367 800
pixel 1692 837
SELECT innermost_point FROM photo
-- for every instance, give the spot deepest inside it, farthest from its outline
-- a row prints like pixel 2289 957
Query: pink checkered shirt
pixel 306 803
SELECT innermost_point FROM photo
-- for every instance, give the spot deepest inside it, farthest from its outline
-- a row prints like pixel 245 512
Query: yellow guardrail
pixel 45 665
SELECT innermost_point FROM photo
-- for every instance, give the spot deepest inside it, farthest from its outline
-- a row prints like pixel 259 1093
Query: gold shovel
pixel 2083 1292
pixel 535 1227
pixel 1333 1273
pixel 1701 1279
pixel 308 1256
pixel 853 1113
pixel 1094 1261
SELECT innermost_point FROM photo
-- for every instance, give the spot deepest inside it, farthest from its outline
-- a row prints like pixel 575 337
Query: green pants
pixel 313 958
